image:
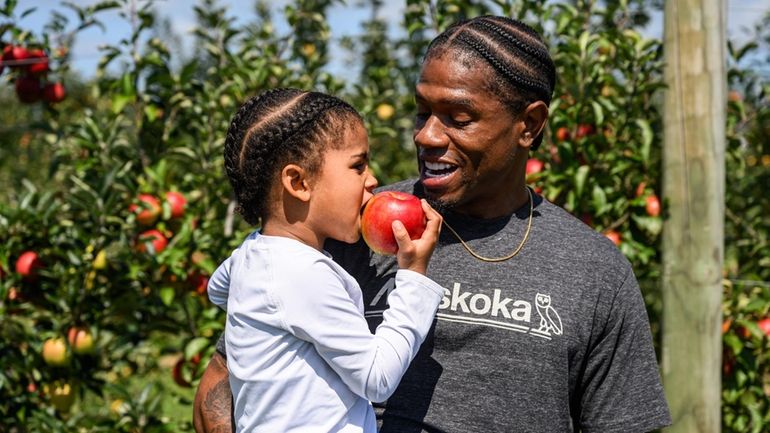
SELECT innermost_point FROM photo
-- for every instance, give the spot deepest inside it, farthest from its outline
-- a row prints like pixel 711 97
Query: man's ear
pixel 296 182
pixel 533 119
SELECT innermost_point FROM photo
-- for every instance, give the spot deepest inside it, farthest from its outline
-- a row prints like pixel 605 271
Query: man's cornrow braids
pixel 514 77
pixel 532 52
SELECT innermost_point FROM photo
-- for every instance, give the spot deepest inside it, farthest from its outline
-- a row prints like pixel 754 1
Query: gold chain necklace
pixel 499 259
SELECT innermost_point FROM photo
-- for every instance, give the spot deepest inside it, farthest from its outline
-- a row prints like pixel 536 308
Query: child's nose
pixel 371 181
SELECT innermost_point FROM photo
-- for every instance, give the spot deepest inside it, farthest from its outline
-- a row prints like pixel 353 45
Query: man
pixel 542 327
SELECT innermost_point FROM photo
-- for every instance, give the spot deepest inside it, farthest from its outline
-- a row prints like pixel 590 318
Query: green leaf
pixel 167 295
pixel 647 136
pixel 580 179
pixel 120 101
pixel 598 112
pixel 599 199
pixel 195 346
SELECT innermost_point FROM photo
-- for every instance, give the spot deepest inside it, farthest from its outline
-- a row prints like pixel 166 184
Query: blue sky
pixel 343 19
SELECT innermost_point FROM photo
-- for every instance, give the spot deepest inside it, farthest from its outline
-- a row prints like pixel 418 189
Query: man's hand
pixel 213 405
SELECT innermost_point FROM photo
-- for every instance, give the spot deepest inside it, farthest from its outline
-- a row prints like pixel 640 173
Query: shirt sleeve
pixel 621 385
pixel 321 311
pixel 219 284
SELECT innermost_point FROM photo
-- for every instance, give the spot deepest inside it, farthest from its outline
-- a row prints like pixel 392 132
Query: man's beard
pixel 441 206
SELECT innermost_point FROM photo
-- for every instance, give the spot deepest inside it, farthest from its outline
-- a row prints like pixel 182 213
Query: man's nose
pixel 430 133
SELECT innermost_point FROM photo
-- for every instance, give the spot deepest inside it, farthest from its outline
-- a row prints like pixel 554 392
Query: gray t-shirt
pixel 555 339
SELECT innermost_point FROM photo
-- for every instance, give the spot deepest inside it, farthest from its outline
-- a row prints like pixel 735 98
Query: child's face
pixel 342 187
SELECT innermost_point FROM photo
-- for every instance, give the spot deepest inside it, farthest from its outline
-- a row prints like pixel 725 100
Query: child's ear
pixel 296 182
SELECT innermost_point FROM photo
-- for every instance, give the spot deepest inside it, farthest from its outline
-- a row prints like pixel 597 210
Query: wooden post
pixel 693 190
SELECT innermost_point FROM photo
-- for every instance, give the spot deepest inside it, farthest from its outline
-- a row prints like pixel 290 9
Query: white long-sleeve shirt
pixel 299 351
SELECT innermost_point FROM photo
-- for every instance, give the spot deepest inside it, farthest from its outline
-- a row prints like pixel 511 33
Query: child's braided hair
pixel 279 127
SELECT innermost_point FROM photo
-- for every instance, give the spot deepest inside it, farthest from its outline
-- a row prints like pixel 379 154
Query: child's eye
pixel 361 167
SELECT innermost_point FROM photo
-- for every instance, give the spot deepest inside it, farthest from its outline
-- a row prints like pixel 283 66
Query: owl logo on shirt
pixel 550 322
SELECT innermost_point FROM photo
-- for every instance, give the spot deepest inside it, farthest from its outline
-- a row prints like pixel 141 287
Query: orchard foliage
pixel 116 208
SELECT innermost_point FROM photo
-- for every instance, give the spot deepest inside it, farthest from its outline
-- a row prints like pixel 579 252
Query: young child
pixel 299 351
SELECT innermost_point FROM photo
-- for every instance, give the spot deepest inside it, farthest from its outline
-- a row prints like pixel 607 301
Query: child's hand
pixel 415 254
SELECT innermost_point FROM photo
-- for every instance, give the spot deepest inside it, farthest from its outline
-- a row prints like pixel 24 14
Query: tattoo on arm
pixel 217 408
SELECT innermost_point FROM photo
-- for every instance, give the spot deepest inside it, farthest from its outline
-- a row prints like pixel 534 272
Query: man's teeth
pixel 438 168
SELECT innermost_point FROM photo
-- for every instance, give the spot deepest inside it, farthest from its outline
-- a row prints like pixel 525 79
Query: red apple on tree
pixel 55 352
pixel 153 237
pixel 13 54
pixel 640 188
pixel 534 166
pixel 562 134
pixel 28 264
pixel 764 326
pixel 54 92
pixel 147 211
pixel 81 340
pixel 177 203
pixel 614 236
pixel 380 212
pixel 726 325
pixel 28 89
pixel 178 374
pixel 584 130
pixel 652 205
pixel 39 63
pixel 198 282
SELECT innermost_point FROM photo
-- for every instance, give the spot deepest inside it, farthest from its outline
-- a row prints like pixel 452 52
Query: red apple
pixel 614 236
pixel 154 237
pixel 562 133
pixel 177 202
pixel 534 166
pixel 380 212
pixel 28 264
pixel 14 53
pixel 28 89
pixel 178 375
pixel 81 340
pixel 764 326
pixel 54 92
pixel 148 212
pixel 198 282
pixel 40 64
pixel 726 325
pixel 640 188
pixel 584 130
pixel 55 352
pixel 652 205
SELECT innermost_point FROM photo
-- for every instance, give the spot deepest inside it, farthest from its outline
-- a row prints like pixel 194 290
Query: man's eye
pixel 461 123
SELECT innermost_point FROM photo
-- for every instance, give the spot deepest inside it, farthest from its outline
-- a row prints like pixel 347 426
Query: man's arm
pixel 213 405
